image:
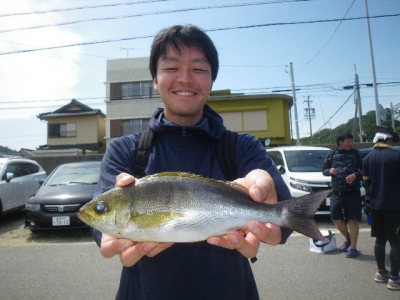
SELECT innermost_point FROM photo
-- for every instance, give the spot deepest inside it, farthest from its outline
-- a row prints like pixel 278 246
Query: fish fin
pixel 299 214
pixel 236 186
pixel 154 220
pixel 231 184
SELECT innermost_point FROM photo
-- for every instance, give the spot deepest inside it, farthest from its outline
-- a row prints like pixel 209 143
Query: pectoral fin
pixel 154 220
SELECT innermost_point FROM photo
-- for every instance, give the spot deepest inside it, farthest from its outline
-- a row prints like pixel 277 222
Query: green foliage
pixel 7 150
pixel 328 136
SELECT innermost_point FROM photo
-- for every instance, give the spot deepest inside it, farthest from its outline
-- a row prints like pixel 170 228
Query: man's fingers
pixel 111 247
pixel 132 255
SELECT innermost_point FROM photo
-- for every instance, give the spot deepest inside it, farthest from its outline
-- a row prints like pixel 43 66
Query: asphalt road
pixel 58 266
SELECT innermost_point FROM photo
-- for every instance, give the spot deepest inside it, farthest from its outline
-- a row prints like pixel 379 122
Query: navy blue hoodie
pixel 188 270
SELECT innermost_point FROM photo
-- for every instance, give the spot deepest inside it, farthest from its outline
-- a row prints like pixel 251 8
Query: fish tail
pixel 298 214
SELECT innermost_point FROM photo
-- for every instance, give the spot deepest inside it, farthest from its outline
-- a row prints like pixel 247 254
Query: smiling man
pixel 184 65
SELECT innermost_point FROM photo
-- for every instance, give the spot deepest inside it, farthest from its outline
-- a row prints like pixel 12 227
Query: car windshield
pixel 306 160
pixel 75 175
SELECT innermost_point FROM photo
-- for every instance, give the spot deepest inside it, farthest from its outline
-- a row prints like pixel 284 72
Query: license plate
pixel 328 201
pixel 61 221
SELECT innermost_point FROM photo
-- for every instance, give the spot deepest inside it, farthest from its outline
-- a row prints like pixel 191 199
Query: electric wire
pixel 334 114
pixel 207 30
pixel 78 8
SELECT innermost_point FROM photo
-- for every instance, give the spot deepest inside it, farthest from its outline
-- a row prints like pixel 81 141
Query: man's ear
pixel 155 84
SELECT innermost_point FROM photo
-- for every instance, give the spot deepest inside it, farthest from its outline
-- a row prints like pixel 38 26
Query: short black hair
pixel 178 36
pixel 342 136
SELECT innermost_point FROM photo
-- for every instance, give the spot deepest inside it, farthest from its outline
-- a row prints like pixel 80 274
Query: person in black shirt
pixel 381 174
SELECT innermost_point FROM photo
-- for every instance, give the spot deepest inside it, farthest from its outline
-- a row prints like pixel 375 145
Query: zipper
pixel 183 144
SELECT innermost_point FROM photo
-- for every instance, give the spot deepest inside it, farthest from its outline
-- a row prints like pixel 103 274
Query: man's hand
pixel 261 189
pixel 333 171
pixel 130 252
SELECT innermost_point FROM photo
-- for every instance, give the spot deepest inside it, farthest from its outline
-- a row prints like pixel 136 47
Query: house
pixel 131 101
pixel 73 129
pixel 130 97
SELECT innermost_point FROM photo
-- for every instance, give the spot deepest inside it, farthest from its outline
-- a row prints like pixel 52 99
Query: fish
pixel 184 207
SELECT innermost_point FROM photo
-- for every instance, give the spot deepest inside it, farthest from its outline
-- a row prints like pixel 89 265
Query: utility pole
pixel 371 50
pixel 296 121
pixel 310 114
pixel 358 106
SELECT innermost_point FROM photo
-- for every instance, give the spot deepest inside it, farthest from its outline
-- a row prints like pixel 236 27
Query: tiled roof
pixel 91 146
pixel 70 114
pixel 72 109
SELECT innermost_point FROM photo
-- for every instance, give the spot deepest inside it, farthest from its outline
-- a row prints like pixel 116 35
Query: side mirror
pixel 281 169
pixel 9 176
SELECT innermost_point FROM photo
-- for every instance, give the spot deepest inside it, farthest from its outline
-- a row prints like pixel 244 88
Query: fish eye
pixel 100 208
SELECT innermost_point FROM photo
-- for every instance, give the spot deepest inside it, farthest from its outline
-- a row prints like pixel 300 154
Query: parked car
pixel 20 179
pixel 301 169
pixel 365 151
pixel 66 190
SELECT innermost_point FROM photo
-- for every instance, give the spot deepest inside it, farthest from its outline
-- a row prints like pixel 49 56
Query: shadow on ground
pixel 12 227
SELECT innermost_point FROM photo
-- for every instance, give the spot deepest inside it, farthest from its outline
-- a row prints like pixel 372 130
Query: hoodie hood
pixel 211 123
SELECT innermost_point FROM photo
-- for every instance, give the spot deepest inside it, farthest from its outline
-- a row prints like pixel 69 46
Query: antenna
pixel 127 50
pixel 382 113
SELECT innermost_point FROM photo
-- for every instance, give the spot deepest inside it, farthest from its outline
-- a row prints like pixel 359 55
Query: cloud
pixel 41 75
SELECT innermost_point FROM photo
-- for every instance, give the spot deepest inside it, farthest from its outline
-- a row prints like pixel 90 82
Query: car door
pixel 11 190
pixel 16 192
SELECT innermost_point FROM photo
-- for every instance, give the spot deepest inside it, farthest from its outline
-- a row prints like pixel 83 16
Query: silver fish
pixel 183 207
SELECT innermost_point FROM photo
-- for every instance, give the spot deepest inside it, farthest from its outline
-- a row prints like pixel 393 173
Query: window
pixel 127 127
pixel 56 130
pixel 20 169
pixel 129 90
pixel 276 157
pixel 245 120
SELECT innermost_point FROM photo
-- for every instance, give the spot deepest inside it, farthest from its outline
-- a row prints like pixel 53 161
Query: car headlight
pixel 31 206
pixel 301 187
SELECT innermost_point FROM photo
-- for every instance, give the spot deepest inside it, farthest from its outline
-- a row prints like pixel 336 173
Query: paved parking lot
pixel 59 265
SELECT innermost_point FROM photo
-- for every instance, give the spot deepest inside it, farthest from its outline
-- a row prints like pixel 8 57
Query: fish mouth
pixel 83 216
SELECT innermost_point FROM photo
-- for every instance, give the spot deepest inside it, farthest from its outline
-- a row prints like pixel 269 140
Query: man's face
pixel 184 82
pixel 347 144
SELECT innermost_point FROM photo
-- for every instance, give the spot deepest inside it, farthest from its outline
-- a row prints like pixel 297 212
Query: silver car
pixel 20 179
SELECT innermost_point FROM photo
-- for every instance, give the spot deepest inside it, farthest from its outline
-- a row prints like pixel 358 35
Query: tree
pixel 328 136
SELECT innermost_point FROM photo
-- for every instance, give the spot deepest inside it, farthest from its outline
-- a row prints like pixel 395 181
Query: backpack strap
pixel 226 154
pixel 144 149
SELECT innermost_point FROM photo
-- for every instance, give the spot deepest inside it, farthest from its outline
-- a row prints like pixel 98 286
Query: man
pixel 344 166
pixel 381 173
pixel 184 65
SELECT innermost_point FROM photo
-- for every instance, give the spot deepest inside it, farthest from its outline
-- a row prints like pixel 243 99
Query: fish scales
pixel 182 207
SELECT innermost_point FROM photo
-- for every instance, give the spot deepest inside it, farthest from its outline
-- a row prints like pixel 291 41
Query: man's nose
pixel 185 76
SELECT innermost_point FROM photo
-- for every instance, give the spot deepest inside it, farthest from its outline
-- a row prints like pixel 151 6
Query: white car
pixel 301 169
pixel 20 178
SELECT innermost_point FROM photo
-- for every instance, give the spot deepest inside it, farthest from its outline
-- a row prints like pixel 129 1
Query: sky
pixel 55 51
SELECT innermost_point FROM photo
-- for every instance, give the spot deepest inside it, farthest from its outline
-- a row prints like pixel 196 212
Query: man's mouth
pixel 185 93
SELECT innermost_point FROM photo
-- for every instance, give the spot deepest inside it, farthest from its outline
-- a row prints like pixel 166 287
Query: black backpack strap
pixel 226 154
pixel 143 153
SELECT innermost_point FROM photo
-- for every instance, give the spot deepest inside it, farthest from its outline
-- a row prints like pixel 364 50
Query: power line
pixel 337 110
pixel 251 91
pixel 333 34
pixel 207 30
pixel 77 8
pixel 145 14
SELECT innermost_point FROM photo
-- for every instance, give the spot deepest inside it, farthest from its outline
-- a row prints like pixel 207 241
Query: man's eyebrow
pixel 173 58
